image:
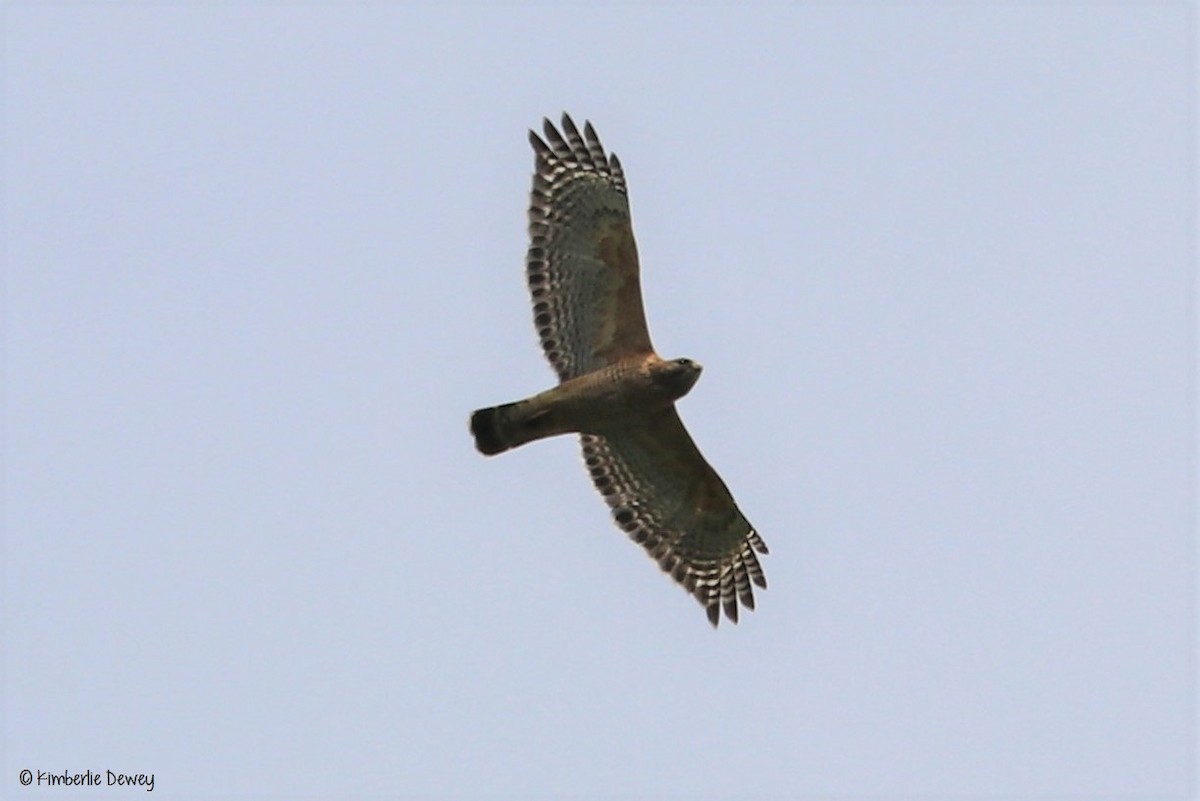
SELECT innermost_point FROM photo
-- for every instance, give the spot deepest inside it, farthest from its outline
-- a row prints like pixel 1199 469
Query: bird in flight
pixel 614 391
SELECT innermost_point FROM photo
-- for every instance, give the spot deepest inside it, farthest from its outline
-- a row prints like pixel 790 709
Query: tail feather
pixel 500 428
pixel 490 428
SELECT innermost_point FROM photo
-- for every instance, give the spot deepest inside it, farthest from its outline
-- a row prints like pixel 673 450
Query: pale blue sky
pixel 261 261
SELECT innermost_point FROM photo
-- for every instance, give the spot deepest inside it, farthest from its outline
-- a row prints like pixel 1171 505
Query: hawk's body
pixel 609 398
pixel 615 391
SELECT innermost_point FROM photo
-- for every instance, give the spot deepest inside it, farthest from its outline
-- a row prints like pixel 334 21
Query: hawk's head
pixel 677 376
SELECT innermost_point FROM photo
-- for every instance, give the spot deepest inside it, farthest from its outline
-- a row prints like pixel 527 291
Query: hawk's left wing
pixel 582 264
pixel 666 497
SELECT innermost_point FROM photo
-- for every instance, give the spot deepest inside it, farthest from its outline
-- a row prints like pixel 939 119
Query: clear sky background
pixel 261 262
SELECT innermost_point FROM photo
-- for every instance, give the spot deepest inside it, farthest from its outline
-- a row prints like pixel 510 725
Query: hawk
pixel 614 390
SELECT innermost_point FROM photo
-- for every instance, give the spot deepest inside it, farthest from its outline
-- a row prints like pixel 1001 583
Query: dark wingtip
pixel 486 433
pixel 539 146
pixel 731 609
pixel 568 124
pixel 555 139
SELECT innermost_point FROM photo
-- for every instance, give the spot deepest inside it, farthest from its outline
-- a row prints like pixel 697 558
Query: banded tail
pixel 500 428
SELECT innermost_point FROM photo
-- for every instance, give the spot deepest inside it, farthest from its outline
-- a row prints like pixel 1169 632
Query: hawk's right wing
pixel 667 498
pixel 582 264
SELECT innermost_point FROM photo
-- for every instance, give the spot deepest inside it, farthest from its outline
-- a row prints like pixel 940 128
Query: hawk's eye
pixel 683 362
